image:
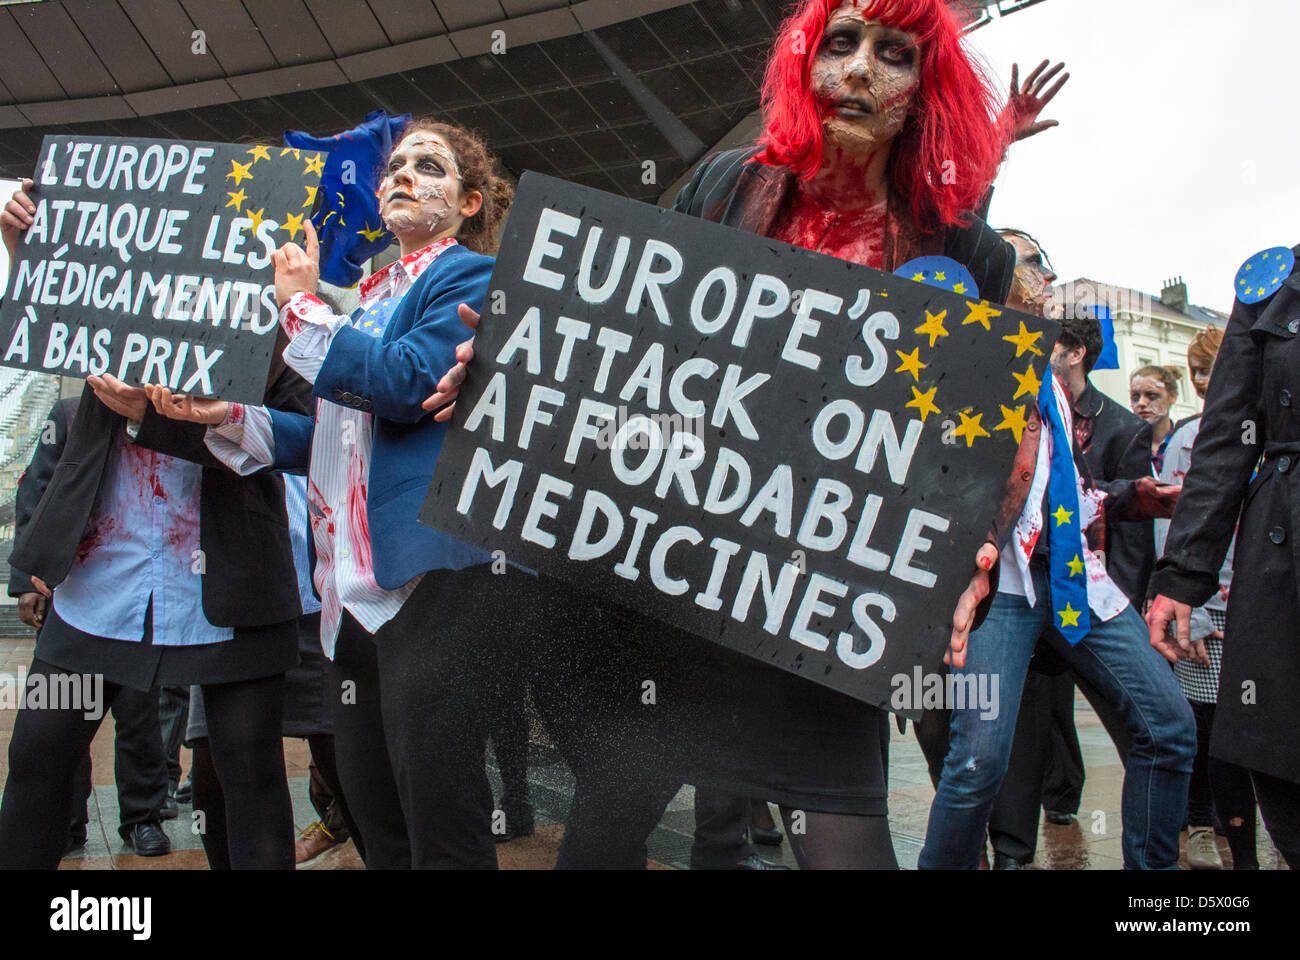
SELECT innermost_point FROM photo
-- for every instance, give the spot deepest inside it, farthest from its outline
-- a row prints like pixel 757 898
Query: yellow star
pixel 911 362
pixel 918 277
pixel 256 217
pixel 970 428
pixel 311 196
pixel 1069 616
pixel 236 199
pixel 258 153
pixel 239 171
pixel 940 276
pixel 315 164
pixel 1241 283
pixel 371 235
pixel 1075 565
pixel 959 287
pixel 933 326
pixel 1024 340
pixel 1062 515
pixel 1028 382
pixel 1249 291
pixel 297 154
pixel 923 402
pixel 1265 254
pixel 980 313
pixel 1013 420
pixel 292 223
pixel 1250 266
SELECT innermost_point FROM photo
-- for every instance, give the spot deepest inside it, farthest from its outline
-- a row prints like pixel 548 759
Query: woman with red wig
pixel 880 136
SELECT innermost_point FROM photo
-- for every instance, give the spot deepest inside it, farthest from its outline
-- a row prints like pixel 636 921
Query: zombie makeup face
pixel 865 76
pixel 420 195
pixel 1149 399
pixel 1201 380
pixel 1031 286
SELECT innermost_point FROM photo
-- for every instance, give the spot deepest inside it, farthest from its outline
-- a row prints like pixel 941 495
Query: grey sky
pixel 1178 145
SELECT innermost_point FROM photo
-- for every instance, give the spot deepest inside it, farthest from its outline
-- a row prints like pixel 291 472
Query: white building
pixel 1148 330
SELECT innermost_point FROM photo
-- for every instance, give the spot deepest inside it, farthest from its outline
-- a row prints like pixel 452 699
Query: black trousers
pixel 46 750
pixel 139 772
pixel 174 709
pixel 411 708
pixel 508 731
pixel 721 830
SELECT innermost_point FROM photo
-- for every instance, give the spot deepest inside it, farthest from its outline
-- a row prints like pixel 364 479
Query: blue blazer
pixel 390 376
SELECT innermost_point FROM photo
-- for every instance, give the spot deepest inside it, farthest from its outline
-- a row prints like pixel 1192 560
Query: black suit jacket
pixel 249 577
pixel 1117 454
pixel 32 484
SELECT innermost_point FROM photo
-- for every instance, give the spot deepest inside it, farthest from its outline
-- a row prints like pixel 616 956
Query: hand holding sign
pixel 297 270
pixel 16 218
pixel 449 385
pixel 174 406
pixel 122 398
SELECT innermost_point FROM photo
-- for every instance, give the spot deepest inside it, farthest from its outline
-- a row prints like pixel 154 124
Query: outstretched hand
pixel 963 617
pixel 449 386
pixel 176 406
pixel 122 398
pixel 1025 104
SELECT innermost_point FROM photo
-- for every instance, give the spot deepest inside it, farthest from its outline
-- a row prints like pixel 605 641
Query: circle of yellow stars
pixel 290 223
pixel 971 426
pixel 1265 282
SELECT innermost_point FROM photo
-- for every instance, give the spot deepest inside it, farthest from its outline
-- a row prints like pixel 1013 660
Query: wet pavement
pixel 1090 843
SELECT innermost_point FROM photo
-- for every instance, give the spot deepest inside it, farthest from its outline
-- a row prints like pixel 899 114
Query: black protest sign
pixel 782 452
pixel 150 260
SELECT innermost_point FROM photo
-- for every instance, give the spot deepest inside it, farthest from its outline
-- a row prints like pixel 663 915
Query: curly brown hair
pixel 478 171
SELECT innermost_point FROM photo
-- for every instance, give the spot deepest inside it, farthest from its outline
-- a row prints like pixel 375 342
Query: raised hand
pixel 1024 105
pixel 175 406
pixel 963 618
pixel 449 386
pixel 297 270
pixel 16 217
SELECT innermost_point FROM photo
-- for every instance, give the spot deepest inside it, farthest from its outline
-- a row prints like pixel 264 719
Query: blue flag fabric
pixel 1069 578
pixel 347 217
pixel 1108 359
pixel 1261 275
pixel 942 272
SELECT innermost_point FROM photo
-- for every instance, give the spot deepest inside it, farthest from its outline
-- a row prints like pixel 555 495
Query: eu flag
pixel 347 214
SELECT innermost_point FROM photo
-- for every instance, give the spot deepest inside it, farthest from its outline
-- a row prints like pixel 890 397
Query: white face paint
pixel 865 77
pixel 419 197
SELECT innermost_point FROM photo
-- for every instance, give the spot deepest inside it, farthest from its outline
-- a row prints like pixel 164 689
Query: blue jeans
pixel 1118 659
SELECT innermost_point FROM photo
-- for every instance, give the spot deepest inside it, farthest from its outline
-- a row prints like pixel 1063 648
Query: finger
pixel 277 260
pixel 1046 78
pixel 1217 634
pixel 1183 617
pixel 39 584
pixel 468 316
pixel 19 213
pixel 465 352
pixel 313 245
pixel 1056 88
pixel 1164 648
pixel 1015 78
pixel 445 414
pixel 1199 653
pixel 1033 77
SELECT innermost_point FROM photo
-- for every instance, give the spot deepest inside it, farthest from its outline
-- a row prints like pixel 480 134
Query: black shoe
pixel 1059 817
pixel 184 793
pixel 168 810
pixel 755 862
pixel 1002 862
pixel 148 840
pixel 769 838
pixel 75 842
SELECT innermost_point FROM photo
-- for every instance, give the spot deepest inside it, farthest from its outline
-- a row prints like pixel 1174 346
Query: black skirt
pixel 253 652
pixel 622 692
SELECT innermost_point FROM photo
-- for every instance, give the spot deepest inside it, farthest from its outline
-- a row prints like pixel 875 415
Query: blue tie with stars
pixel 1064 546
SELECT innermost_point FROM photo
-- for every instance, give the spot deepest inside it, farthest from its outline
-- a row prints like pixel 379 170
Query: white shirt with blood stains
pixel 1105 600
pixel 339 471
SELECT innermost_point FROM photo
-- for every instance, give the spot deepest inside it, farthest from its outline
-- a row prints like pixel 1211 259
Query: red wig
pixel 949 149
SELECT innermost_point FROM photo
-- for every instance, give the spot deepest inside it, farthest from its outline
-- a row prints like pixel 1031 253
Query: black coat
pixel 1250 412
pixel 249 577
pixel 31 486
pixel 1117 452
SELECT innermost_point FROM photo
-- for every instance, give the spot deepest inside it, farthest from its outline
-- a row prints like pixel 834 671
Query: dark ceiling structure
pixel 588 90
